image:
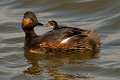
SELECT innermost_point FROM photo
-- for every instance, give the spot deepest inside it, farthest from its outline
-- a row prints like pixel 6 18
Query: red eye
pixel 30 21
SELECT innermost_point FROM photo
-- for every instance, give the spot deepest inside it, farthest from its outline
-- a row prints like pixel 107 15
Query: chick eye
pixel 51 23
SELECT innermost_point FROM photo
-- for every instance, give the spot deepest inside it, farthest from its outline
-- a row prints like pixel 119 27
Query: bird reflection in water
pixel 49 64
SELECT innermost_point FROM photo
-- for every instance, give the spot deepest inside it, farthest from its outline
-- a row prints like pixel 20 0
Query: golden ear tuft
pixel 26 21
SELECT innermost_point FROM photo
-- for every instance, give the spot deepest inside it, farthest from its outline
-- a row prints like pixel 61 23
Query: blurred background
pixel 102 16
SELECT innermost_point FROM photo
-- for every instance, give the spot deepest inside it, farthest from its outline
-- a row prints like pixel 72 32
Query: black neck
pixel 29 36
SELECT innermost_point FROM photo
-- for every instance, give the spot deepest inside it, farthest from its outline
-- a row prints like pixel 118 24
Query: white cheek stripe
pixel 65 40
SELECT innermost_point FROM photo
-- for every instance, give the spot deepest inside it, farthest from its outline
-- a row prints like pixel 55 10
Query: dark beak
pixel 40 24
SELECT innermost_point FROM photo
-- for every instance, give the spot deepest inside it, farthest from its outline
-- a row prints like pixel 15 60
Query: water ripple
pixel 103 16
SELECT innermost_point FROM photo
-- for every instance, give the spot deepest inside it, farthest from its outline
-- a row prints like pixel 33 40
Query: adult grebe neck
pixel 29 36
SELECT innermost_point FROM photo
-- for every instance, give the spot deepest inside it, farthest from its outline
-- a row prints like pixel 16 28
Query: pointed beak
pixel 40 24
pixel 47 25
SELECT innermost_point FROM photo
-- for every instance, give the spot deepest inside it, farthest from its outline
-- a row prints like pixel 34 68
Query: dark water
pixel 102 16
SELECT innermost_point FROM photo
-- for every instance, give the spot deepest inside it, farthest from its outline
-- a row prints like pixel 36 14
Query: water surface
pixel 103 16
